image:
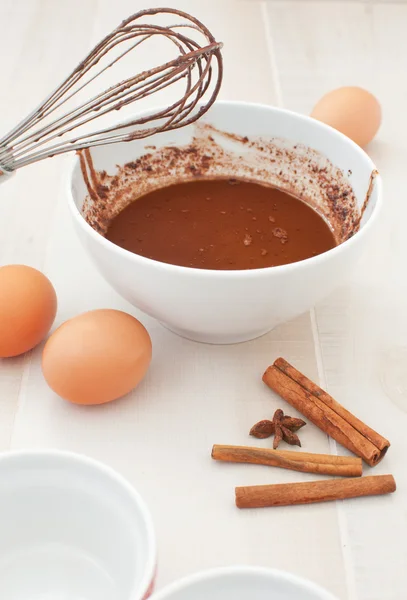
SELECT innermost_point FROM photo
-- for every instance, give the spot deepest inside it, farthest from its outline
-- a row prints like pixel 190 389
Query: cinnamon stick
pixel 325 412
pixel 324 464
pixel 288 494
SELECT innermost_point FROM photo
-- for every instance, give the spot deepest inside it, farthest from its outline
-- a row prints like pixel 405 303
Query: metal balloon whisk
pixel 54 128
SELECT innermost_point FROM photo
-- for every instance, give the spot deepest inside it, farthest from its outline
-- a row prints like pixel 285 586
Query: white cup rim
pixel 35 456
pixel 220 572
pixel 235 274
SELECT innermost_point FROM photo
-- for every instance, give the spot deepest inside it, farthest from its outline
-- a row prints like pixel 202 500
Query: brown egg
pixel 28 305
pixel 97 357
pixel 352 111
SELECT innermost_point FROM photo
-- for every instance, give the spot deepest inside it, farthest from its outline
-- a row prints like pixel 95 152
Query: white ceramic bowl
pixel 71 529
pixel 243 583
pixel 230 306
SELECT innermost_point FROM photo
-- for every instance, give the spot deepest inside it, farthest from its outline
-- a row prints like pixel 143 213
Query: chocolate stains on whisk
pixel 197 64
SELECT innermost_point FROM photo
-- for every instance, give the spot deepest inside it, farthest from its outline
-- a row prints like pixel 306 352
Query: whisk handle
pixel 5 175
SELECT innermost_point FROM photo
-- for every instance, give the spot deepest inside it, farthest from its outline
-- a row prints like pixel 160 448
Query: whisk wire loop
pixel 48 130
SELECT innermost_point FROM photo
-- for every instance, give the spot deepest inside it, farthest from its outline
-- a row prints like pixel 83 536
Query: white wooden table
pixel 280 52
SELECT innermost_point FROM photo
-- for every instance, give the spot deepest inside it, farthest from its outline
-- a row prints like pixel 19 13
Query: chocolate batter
pixel 221 224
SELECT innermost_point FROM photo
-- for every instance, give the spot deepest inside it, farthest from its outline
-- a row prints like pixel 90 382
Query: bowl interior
pixel 262 143
pixel 69 530
pixel 244 583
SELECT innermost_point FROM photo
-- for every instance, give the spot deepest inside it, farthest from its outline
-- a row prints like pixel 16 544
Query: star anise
pixel 282 427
